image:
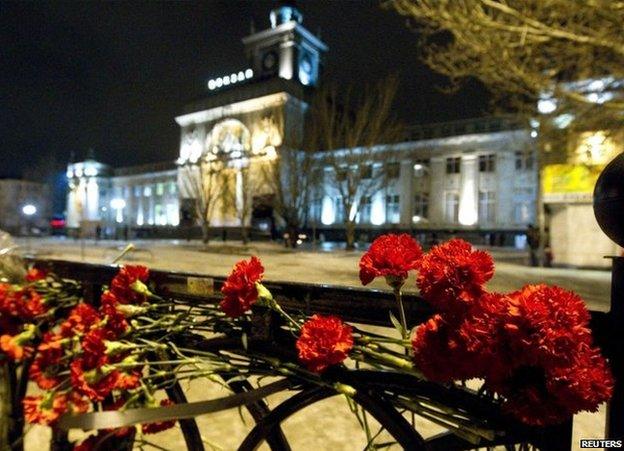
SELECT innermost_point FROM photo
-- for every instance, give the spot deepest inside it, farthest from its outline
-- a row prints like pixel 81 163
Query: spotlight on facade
pixel 546 106
pixel 416 218
pixel 418 167
pixel 212 85
pixel 29 209
pixel 118 203
pixel 533 134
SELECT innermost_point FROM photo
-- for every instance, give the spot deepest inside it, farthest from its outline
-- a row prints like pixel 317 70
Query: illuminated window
pixel 487 163
pixel 365 210
pixel 487 207
pixel 173 214
pixel 451 207
pixel 173 188
pixel 338 210
pixel 453 165
pixel 421 206
pixel 316 207
pixel 393 211
pixel 137 191
pixel 160 189
pixel 147 191
pixel 159 213
pixel 524 160
pixel 523 206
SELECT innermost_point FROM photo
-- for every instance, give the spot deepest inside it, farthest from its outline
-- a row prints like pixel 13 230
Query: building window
pixel 524 160
pixel 161 217
pixel 160 189
pixel 316 207
pixel 421 207
pixel 365 210
pixel 173 188
pixel 173 214
pixel 393 170
pixel 137 191
pixel 487 163
pixel 487 207
pixel 421 167
pixel 341 174
pixel 523 205
pixel 453 165
pixel 451 207
pixel 147 191
pixel 366 171
pixel 393 211
pixel 338 210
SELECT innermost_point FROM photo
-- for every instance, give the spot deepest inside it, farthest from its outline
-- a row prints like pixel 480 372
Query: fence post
pixel 615 408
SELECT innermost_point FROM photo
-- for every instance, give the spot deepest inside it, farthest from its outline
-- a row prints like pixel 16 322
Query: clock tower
pixel 287 49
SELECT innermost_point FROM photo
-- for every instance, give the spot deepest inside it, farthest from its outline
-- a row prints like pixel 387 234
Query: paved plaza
pixel 324 265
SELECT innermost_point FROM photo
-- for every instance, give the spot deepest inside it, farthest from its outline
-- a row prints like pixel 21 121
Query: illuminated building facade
pixel 476 177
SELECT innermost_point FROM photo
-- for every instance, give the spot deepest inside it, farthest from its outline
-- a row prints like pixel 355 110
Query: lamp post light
pixel 29 210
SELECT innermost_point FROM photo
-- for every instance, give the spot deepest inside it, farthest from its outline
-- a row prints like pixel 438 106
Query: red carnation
pixel 122 284
pixel 45 367
pixel 80 320
pixel 391 256
pixel 545 325
pixel 158 426
pixel 324 341
pixel 239 289
pixel 35 274
pixel 442 353
pixel 94 348
pixel 116 322
pixel 451 275
pixel 44 410
pixel 94 383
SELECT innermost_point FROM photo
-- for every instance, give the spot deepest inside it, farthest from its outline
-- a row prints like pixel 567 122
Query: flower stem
pixel 399 299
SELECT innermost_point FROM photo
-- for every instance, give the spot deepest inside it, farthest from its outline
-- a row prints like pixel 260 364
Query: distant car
pixel 57 225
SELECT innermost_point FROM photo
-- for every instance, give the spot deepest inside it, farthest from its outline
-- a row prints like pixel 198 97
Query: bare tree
pixel 290 174
pixel 559 64
pixel 203 182
pixel 237 196
pixel 351 130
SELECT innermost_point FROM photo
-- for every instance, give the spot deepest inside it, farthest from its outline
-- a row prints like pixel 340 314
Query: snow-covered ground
pixel 329 267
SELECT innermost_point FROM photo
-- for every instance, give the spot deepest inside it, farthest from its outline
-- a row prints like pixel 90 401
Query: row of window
pixel 157 189
pixel 524 161
pixel 486 208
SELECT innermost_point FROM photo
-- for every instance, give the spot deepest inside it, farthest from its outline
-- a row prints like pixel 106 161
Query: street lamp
pixel 29 210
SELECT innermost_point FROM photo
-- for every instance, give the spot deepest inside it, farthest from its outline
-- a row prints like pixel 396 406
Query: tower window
pixel 524 160
pixel 487 207
pixel 421 207
pixel 393 211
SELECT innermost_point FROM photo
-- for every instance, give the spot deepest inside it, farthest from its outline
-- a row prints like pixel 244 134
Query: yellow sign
pixel 568 178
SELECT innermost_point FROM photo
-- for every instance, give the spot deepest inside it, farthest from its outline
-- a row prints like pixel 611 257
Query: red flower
pixel 44 410
pixel 545 326
pixel 541 396
pixel 15 346
pixel 451 276
pixel 94 383
pixel 35 274
pixel 121 285
pixel 391 256
pixel 239 289
pixel 45 366
pixel 94 348
pixel 324 341
pixel 116 322
pixel 80 320
pixel 153 428
pixel 442 353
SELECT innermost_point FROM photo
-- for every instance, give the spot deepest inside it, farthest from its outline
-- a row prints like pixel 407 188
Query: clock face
pixel 269 60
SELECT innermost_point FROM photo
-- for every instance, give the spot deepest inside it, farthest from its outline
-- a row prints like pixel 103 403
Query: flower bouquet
pixel 105 367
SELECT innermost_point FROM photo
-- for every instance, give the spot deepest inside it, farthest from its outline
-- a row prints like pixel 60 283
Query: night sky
pixel 112 76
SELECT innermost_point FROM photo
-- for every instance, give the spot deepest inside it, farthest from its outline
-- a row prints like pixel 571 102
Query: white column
pixel 468 194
